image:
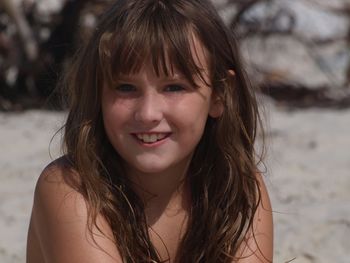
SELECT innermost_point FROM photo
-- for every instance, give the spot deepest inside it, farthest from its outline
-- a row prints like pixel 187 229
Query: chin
pixel 150 169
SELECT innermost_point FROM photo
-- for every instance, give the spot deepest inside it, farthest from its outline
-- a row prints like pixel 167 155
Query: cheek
pixel 193 116
pixel 114 115
pixel 115 125
pixel 115 109
pixel 114 119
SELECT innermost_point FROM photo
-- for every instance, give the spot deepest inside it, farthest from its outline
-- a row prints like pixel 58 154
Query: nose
pixel 149 109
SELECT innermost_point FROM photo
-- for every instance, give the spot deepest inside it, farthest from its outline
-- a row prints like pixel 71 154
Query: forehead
pixel 198 56
pixel 166 49
pixel 199 52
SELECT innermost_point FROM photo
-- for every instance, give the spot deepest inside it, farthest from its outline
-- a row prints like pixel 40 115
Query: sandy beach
pixel 308 177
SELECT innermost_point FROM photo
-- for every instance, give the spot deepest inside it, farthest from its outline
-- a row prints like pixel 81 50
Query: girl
pixel 159 161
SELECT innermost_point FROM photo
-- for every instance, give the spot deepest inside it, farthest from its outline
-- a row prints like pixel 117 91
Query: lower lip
pixel 153 144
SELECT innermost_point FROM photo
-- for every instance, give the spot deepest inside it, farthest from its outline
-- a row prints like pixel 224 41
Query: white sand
pixel 310 185
pixel 24 152
pixel 309 181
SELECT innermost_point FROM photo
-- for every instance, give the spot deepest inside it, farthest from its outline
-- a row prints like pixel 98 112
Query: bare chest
pixel 166 235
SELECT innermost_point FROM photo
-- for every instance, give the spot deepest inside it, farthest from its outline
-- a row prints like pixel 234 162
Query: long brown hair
pixel 222 174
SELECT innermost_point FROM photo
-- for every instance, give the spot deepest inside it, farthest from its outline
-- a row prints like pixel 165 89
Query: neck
pixel 165 192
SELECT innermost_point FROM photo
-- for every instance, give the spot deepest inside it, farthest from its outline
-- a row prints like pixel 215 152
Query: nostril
pixel 148 117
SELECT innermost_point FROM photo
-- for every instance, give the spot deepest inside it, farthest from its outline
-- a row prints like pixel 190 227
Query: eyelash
pixel 125 88
pixel 174 88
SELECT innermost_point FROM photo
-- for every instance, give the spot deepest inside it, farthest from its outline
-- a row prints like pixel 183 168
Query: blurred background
pixel 296 52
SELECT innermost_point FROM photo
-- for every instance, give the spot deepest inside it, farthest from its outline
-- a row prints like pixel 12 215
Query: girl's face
pixel 155 122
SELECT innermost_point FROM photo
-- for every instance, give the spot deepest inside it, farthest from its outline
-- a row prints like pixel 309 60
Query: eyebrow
pixel 175 77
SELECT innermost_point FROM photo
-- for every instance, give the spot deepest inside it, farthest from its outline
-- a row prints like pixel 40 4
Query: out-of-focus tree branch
pixel 261 20
pixel 25 33
pixel 31 64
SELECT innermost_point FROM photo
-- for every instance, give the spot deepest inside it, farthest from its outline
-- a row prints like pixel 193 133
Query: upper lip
pixel 150 133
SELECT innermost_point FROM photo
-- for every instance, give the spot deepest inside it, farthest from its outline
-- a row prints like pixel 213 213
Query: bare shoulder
pixel 53 178
pixel 59 221
pixel 258 244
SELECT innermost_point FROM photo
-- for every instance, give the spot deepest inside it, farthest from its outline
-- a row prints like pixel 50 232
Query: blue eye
pixel 125 88
pixel 174 88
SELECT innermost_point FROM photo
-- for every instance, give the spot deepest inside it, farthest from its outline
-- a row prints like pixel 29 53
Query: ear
pixel 231 73
pixel 216 106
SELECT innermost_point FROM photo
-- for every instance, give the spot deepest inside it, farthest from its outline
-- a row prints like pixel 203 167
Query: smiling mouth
pixel 151 137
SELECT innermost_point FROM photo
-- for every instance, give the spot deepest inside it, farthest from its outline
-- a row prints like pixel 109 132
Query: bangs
pixel 153 34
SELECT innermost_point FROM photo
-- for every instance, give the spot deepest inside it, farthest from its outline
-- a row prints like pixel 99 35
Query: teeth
pixel 150 138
